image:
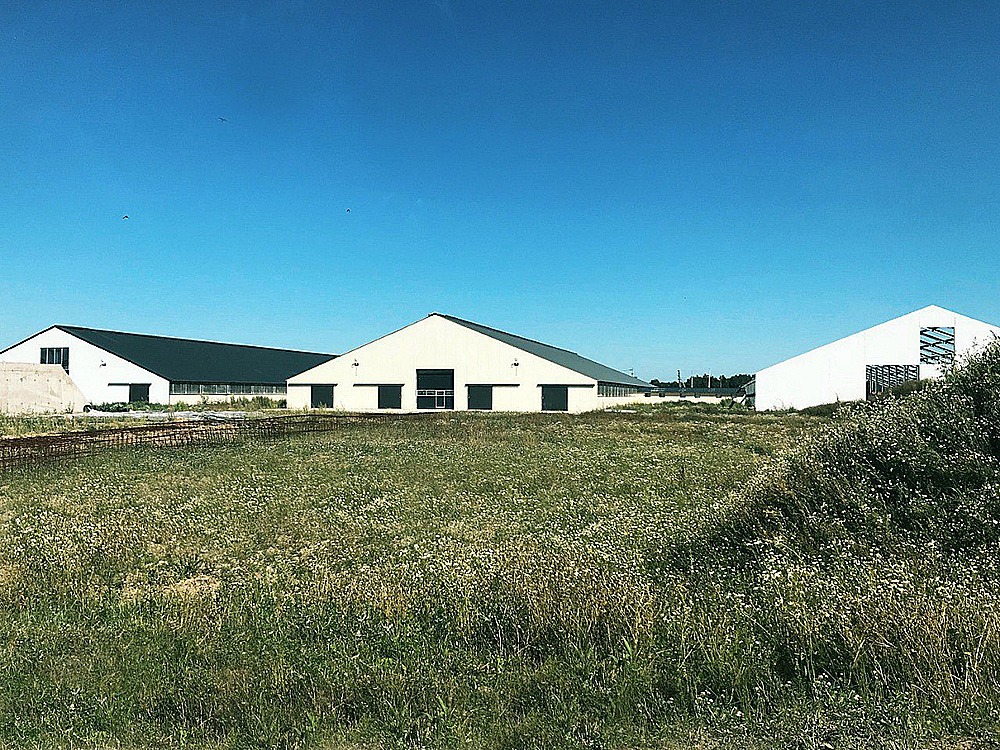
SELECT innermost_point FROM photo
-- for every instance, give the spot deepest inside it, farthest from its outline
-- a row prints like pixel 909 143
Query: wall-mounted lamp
pixel 515 363
pixel 355 363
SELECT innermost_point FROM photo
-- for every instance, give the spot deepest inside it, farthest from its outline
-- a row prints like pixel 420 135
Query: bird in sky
pixel 223 119
pixel 125 216
pixel 348 210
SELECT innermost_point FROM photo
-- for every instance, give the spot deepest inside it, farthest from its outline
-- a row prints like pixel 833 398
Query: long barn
pixel 444 362
pixel 112 366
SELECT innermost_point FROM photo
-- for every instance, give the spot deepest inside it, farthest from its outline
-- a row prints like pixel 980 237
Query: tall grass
pixel 607 580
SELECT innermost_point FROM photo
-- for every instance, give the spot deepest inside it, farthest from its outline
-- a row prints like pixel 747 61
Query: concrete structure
pixel 919 345
pixel 111 366
pixel 26 388
pixel 443 362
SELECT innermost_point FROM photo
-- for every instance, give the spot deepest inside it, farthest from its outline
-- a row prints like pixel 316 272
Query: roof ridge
pixel 508 333
pixel 549 352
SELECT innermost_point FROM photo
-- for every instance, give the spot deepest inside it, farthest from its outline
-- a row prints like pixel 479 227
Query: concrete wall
pixel 30 388
pixel 836 371
pixel 91 368
pixel 437 342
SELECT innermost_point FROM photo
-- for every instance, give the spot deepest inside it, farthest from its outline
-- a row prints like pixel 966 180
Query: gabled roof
pixel 194 361
pixel 563 357
pixel 941 314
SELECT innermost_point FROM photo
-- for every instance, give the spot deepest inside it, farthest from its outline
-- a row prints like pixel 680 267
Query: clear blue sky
pixel 704 186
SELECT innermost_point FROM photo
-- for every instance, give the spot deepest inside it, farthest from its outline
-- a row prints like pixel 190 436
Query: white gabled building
pixel 916 346
pixel 111 366
pixel 443 362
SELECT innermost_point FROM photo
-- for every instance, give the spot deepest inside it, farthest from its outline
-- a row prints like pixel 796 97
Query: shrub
pixel 914 468
pixel 824 410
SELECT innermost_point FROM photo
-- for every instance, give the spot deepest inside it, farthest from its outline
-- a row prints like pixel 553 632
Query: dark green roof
pixel 563 357
pixel 192 361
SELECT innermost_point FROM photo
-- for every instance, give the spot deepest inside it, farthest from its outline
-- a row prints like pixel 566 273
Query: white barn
pixel 919 345
pixel 443 362
pixel 112 366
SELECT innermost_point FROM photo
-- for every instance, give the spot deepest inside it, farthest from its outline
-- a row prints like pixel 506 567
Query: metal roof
pixel 563 357
pixel 193 361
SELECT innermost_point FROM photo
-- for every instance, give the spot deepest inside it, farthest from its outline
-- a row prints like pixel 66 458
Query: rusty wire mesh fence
pixel 18 451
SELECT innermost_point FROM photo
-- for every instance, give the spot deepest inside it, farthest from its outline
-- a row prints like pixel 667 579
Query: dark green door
pixel 555 398
pixel 322 397
pixel 481 397
pixel 390 397
pixel 138 392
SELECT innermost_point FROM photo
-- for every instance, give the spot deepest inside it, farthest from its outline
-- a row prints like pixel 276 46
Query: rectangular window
pixel 882 378
pixel 57 355
pixel 390 397
pixel 225 389
pixel 937 345
pixel 614 390
pixel 481 397
pixel 555 398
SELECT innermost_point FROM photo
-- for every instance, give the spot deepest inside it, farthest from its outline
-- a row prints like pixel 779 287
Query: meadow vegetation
pixel 233 403
pixel 45 424
pixel 668 577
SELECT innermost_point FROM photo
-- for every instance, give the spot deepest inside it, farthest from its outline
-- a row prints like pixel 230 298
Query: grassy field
pixel 666 578
pixel 45 424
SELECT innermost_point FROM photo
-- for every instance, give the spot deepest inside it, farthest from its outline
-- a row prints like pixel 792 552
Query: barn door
pixel 435 389
pixel 321 396
pixel 555 398
pixel 390 397
pixel 138 392
pixel 481 397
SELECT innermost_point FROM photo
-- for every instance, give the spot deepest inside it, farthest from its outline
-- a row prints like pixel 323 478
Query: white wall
pixel 27 388
pixel 436 342
pixel 836 371
pixel 91 368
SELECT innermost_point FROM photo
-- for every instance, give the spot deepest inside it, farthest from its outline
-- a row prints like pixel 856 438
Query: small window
pixel 481 397
pixel 937 345
pixel 57 355
pixel 390 397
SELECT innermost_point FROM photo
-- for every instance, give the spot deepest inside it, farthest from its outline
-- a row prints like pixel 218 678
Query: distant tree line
pixel 706 381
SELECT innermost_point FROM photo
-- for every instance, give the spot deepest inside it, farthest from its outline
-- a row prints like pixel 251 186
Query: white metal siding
pixel 435 342
pixel 836 371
